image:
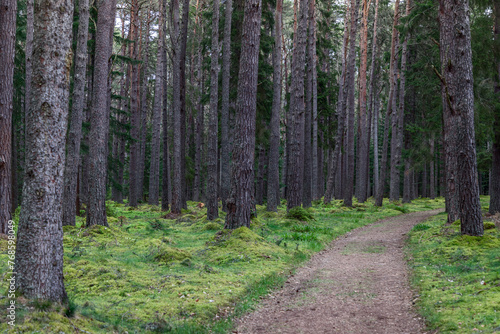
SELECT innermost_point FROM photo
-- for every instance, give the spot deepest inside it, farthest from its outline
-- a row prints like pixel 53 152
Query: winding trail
pixel 359 285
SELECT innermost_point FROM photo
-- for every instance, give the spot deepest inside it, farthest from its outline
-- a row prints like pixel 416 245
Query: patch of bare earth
pixel 359 285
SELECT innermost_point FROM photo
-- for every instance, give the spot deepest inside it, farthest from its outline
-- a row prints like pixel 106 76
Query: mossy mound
pixel 489 225
pixel 212 226
pixel 98 230
pixel 163 253
pixel 485 241
pixel 240 245
pixel 300 213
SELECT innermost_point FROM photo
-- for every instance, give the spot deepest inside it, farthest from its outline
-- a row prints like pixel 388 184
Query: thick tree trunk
pixel 458 111
pixel 296 150
pixel 154 172
pixel 99 119
pixel 240 205
pixel 39 253
pixel 213 133
pixel 364 124
pixel 225 181
pixel 75 129
pixel 8 10
pixel 273 174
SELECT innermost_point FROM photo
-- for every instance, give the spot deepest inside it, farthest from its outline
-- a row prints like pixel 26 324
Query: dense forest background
pixel 242 103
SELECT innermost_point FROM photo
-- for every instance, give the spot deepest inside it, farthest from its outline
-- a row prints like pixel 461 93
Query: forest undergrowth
pixel 457 277
pixel 154 272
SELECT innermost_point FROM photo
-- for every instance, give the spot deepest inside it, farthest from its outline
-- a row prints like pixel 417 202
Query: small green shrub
pixel 421 227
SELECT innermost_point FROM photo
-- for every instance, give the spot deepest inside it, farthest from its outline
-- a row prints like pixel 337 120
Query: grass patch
pixel 154 273
pixel 457 277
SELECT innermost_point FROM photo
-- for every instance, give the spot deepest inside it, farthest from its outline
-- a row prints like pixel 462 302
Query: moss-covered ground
pixel 457 277
pixel 150 272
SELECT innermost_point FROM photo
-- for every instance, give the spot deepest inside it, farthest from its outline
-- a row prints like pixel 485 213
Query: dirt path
pixel 360 285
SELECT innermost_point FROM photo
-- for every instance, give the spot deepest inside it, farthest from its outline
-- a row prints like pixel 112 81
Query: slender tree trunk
pixel 183 46
pixel 75 129
pixel 274 140
pixel 495 167
pixel 351 86
pixel 363 135
pixel 154 172
pixel 28 68
pixel 213 133
pixel 225 181
pixel 134 107
pixel 333 182
pixel 259 191
pixel 458 110
pixel 391 107
pixel 8 9
pixel 199 130
pixel 144 109
pixel 296 158
pixel 99 119
pixel 240 205
pixel 432 188
pixel 39 253
pixel 166 193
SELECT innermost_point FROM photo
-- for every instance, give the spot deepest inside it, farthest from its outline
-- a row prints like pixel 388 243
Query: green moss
pixel 489 225
pixel 457 277
pixel 212 226
pixel 300 213
pixel 166 254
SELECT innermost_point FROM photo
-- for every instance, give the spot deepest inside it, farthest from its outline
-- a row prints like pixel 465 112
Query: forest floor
pixel 358 285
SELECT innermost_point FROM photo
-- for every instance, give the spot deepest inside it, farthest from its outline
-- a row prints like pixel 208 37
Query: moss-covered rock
pixel 212 226
pixel 489 225
pixel 300 213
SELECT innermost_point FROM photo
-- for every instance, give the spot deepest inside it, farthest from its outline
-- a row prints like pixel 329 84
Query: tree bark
pixel 154 172
pixel 213 133
pixel 39 253
pixel 273 183
pixel 391 107
pixel 75 129
pixel 363 135
pixel 166 193
pixel 8 9
pixel 351 86
pixel 225 181
pixel 99 119
pixel 333 183
pixel 495 167
pixel 458 111
pixel 240 205
pixel 135 118
pixel 297 109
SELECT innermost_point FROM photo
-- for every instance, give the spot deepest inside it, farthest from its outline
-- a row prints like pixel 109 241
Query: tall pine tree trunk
pixel 75 129
pixel 297 110
pixel 391 107
pixel 364 124
pixel 458 111
pixel 240 204
pixel 495 167
pixel 213 133
pixel 225 181
pixel 39 253
pixel 274 140
pixel 8 10
pixel 154 172
pixel 351 86
pixel 99 117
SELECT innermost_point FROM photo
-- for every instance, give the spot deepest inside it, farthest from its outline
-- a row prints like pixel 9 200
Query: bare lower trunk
pixel 273 183
pixel 213 133
pixel 225 179
pixel 39 252
pixel 8 10
pixel 99 117
pixel 240 205
pixel 458 112
pixel 75 129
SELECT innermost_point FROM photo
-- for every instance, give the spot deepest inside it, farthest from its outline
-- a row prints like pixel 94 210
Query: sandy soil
pixel 359 285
